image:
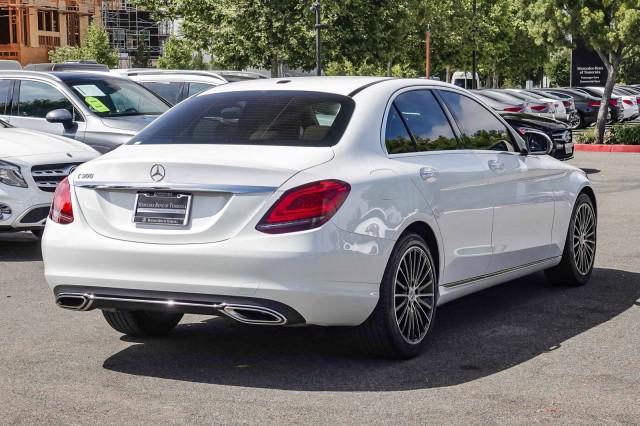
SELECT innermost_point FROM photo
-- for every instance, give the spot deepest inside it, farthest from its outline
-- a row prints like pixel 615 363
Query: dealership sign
pixel 587 68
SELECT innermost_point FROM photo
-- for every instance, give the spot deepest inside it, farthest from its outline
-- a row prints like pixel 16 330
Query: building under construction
pixel 30 28
pixel 127 24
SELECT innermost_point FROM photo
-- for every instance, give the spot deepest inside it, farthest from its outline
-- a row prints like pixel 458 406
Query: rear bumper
pixel 326 276
pixel 243 309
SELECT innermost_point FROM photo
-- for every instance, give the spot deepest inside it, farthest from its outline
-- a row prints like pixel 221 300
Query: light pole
pixel 474 65
pixel 427 53
pixel 315 7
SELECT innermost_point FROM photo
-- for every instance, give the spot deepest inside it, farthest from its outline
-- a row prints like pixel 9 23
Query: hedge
pixel 616 135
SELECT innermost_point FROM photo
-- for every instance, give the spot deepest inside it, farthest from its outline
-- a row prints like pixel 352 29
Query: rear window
pixel 290 118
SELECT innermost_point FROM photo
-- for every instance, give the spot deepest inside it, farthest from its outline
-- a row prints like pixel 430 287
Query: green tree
pixel 558 68
pixel 65 53
pixel 243 33
pixel 142 56
pixel 630 67
pixel 177 54
pixel 94 46
pixel 609 27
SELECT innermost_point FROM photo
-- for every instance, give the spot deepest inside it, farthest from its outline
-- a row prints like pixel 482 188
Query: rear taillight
pixel 305 207
pixel 594 104
pixel 61 210
pixel 613 103
pixel 539 108
pixel 567 104
pixel 627 101
pixel 513 109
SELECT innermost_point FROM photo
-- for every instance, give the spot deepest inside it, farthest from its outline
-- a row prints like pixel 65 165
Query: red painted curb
pixel 606 148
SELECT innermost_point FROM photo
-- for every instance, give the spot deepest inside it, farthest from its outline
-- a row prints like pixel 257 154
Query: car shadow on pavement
pixel 474 337
pixel 19 247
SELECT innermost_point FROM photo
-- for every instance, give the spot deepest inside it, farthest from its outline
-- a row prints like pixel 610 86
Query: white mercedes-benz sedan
pixel 32 163
pixel 333 201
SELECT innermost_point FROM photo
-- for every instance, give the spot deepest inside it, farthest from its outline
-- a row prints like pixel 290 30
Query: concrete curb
pixel 606 148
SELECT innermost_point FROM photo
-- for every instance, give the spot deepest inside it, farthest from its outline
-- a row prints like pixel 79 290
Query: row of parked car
pixel 54 117
pixel 576 106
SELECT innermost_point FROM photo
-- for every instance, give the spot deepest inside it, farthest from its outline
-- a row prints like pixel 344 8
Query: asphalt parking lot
pixel 523 352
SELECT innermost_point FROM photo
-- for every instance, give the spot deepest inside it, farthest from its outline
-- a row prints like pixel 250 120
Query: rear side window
pixel 169 91
pixel 426 121
pixel 195 88
pixel 290 118
pixel 480 129
pixel 397 138
pixel 36 99
pixel 5 89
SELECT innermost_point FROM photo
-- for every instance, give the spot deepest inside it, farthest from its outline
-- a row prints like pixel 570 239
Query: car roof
pixel 176 76
pixel 57 75
pixel 224 75
pixel 346 86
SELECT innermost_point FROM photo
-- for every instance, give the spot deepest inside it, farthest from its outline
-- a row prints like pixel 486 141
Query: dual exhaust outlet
pixel 246 314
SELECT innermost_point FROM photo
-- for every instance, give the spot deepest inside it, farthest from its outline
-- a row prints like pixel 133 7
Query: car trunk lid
pixel 227 185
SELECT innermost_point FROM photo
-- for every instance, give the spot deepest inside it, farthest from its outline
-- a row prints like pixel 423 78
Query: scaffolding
pixel 127 24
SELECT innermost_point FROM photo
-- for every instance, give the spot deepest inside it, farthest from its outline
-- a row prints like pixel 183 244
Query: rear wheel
pixel 142 323
pixel 403 317
pixel 579 254
pixel 576 120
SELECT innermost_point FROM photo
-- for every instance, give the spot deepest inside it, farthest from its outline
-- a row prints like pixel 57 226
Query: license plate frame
pixel 162 208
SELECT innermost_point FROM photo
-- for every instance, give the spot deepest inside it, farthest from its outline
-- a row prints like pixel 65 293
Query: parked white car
pixel 557 110
pixel 174 86
pixel 31 165
pixel 629 103
pixel 331 201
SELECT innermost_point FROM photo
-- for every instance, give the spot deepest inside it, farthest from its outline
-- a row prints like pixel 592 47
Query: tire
pixel 38 233
pixel 577 122
pixel 389 331
pixel 579 253
pixel 142 323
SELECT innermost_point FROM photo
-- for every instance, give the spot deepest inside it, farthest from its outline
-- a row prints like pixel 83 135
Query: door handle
pixel 428 173
pixel 496 165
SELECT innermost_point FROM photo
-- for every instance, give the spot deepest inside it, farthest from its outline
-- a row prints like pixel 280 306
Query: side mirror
pixel 539 143
pixel 61 116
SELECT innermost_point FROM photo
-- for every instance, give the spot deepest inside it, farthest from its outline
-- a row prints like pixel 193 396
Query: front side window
pixel 114 97
pixel 288 118
pixel 169 91
pixel 36 99
pixel 480 129
pixel 426 121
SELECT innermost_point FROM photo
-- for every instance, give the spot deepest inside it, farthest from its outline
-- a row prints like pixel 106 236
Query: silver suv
pixel 97 108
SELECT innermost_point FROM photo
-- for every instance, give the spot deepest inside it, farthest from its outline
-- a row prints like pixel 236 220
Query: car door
pixel 32 100
pixel 422 143
pixel 521 187
pixel 6 89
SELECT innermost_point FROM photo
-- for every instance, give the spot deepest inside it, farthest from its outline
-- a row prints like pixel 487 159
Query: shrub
pixel 625 135
pixel 587 137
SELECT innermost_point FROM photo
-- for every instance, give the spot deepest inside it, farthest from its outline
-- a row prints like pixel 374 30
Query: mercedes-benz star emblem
pixel 157 172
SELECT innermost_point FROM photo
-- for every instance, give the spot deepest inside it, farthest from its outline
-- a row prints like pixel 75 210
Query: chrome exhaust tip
pixel 74 301
pixel 254 315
